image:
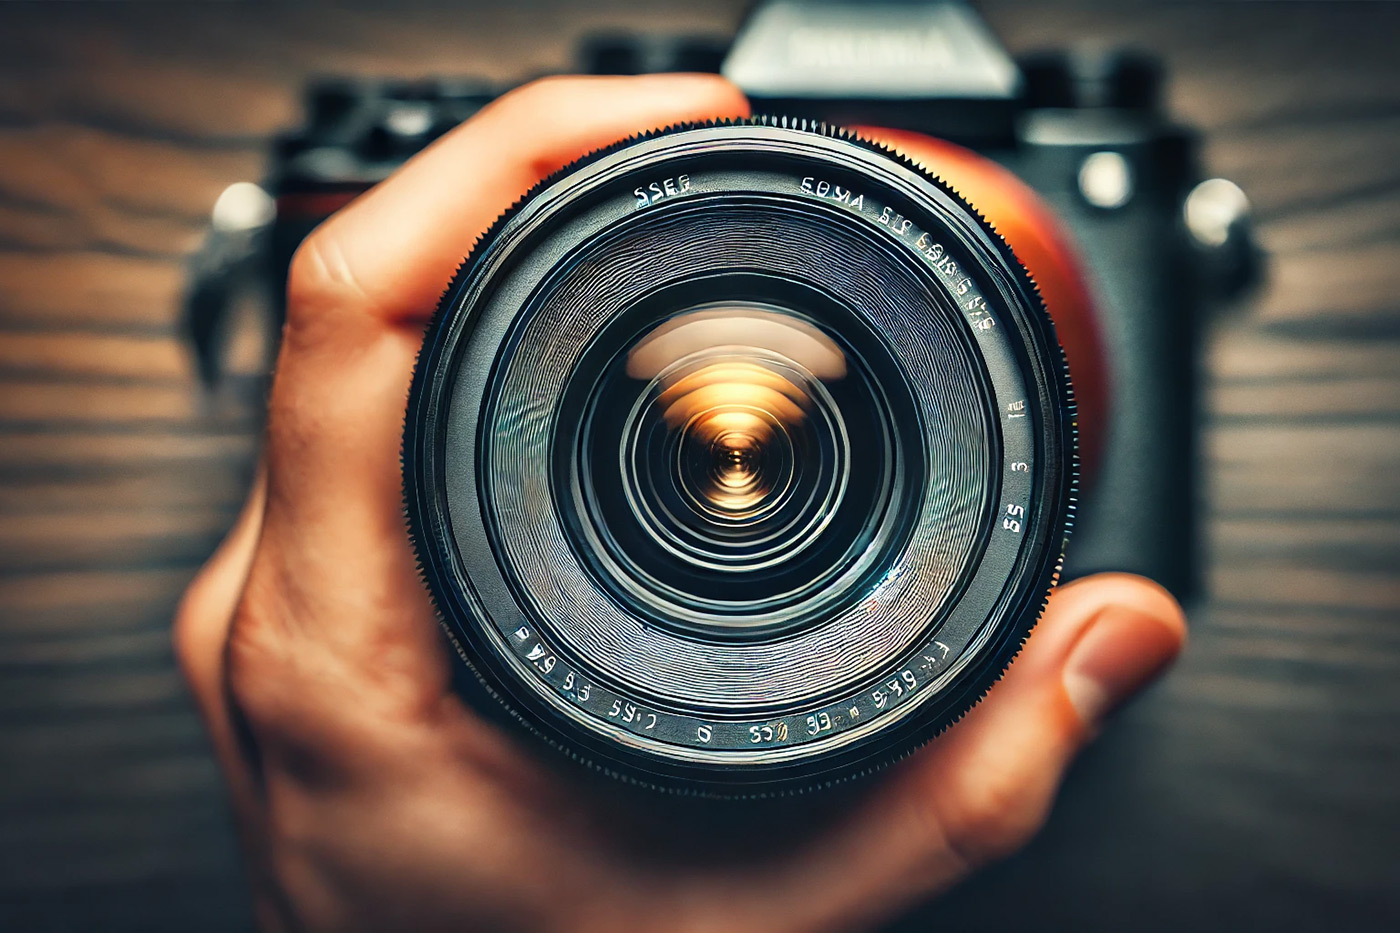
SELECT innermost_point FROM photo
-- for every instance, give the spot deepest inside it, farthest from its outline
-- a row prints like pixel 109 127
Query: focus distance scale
pixel 739 458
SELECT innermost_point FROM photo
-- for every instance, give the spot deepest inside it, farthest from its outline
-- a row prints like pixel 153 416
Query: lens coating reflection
pixel 717 467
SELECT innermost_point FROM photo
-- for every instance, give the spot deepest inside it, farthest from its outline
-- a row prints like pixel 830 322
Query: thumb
pixel 991 780
pixel 983 788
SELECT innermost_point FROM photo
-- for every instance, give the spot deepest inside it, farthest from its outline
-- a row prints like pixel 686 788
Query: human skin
pixel 370 797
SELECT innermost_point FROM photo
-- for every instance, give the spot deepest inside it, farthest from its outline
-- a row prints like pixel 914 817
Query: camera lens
pixel 739 458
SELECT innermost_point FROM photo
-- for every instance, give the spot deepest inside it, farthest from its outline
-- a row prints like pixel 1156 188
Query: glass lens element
pixel 717 471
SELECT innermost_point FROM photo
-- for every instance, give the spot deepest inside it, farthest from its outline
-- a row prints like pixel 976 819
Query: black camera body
pixel 1086 131
pixel 758 483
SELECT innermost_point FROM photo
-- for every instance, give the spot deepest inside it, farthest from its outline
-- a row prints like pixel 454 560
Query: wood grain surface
pixel 1257 788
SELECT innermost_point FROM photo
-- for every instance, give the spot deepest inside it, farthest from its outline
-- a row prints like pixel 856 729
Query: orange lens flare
pixel 735 410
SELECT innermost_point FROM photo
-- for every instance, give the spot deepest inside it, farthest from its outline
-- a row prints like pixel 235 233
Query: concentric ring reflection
pixel 716 490
pixel 732 395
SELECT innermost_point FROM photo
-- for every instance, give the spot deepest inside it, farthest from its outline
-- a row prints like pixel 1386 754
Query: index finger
pixel 388 254
pixel 361 288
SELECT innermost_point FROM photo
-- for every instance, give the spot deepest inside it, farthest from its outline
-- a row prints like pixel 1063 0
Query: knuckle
pixel 252 662
pixel 301 736
pixel 309 277
pixel 320 279
pixel 259 665
pixel 296 692
pixel 191 617
pixel 265 673
pixel 199 625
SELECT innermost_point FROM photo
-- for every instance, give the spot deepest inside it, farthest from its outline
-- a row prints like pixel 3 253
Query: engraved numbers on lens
pixel 659 190
pixel 576 688
pixel 978 315
pixel 632 714
pixel 905 681
pixel 894 689
pixel 937 254
pixel 833 192
pixel 896 221
pixel 819 723
pixel 768 733
pixel 1012 520
pixel 542 659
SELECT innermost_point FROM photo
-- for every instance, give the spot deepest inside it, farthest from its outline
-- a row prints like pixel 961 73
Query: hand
pixel 370 797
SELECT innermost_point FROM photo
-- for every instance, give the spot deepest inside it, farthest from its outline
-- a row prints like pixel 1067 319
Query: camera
pixel 740 458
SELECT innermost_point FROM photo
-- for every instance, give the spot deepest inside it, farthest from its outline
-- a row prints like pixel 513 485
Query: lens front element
pixel 716 475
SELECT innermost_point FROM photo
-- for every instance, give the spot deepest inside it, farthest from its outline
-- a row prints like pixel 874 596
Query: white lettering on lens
pixel 665 188
pixel 895 221
pixel 833 192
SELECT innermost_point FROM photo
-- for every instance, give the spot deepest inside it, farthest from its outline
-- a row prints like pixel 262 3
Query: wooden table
pixel 1258 787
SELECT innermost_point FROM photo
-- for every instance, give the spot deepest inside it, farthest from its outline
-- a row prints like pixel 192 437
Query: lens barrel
pixel 739 458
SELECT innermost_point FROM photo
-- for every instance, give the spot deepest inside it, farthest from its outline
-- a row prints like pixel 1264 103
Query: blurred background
pixel 1258 787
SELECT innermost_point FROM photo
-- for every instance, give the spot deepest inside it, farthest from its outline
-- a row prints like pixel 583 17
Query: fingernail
pixel 1122 651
